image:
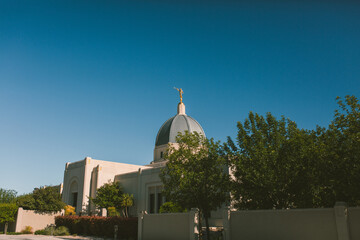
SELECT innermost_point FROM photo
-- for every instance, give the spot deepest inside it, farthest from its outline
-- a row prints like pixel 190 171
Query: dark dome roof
pixel 179 123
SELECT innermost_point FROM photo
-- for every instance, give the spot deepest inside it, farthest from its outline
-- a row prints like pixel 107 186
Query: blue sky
pixel 96 78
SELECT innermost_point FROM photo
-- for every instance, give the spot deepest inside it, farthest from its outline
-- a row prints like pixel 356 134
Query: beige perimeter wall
pixel 174 226
pixel 354 222
pixel 309 224
pixel 35 220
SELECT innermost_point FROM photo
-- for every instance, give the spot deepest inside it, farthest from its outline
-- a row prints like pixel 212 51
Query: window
pixel 74 199
pixel 161 154
pixel 155 199
pixel 152 203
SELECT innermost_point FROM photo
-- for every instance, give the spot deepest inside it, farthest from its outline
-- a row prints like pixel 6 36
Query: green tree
pixel 7 196
pixel 48 199
pixel 108 195
pixel 195 175
pixel 341 160
pixel 7 213
pixel 42 200
pixel 127 201
pixel 170 207
pixel 273 164
pixel 26 201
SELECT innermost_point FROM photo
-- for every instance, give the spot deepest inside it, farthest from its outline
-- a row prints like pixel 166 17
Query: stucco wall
pixel 35 220
pixel 166 226
pixel 138 183
pixel 354 222
pixel 90 174
pixel 302 224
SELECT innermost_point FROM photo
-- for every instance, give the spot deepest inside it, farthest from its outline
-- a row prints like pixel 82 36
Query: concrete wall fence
pixel 354 222
pixel 36 220
pixel 175 226
pixel 338 223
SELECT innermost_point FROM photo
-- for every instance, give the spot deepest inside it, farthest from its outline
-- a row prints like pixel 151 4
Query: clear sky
pixel 96 78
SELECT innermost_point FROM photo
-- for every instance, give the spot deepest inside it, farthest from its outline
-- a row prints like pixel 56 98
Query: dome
pixel 179 123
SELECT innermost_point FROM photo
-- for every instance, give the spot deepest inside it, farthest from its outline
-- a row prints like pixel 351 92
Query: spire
pixel 181 105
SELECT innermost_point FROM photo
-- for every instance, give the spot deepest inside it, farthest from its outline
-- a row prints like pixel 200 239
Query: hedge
pixel 99 226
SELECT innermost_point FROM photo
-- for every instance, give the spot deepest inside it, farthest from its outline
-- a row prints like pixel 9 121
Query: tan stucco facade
pixel 82 178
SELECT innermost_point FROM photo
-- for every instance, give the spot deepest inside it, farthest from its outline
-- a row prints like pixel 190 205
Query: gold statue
pixel 181 92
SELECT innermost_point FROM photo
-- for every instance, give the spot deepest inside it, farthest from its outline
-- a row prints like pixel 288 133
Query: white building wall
pixel 90 174
pixel 138 184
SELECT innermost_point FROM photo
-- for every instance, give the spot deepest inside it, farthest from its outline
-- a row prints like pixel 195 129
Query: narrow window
pixel 152 203
pixel 74 199
pixel 159 202
pixel 161 154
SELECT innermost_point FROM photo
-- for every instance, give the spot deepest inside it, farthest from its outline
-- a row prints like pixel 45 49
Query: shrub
pixel 170 207
pixel 69 210
pixel 40 232
pixel 46 231
pixel 99 226
pixel 62 231
pixel 49 230
pixel 27 230
pixel 112 212
pixel 13 233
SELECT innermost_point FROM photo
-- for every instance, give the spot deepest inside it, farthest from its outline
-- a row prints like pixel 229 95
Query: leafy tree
pixel 7 196
pixel 7 213
pixel 271 164
pixel 341 160
pixel 277 165
pixel 26 201
pixel 195 175
pixel 170 207
pixel 108 195
pixel 42 200
pixel 127 201
pixel 48 199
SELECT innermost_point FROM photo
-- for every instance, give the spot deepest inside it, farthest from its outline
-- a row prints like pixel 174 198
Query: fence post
pixel 140 225
pixel 193 223
pixel 342 228
pixel 226 223
pixel 116 228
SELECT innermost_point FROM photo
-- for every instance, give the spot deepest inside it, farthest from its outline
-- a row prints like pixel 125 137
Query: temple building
pixel 83 178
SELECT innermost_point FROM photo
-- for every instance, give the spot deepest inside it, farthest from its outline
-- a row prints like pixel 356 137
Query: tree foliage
pixel 108 195
pixel 42 200
pixel 195 175
pixel 7 196
pixel 26 201
pixel 69 210
pixel 277 165
pixel 170 207
pixel 271 164
pixel 7 213
pixel 341 159
pixel 127 201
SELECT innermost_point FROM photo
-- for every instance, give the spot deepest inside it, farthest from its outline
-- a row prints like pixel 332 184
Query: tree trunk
pixel 207 228
pixel 5 228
